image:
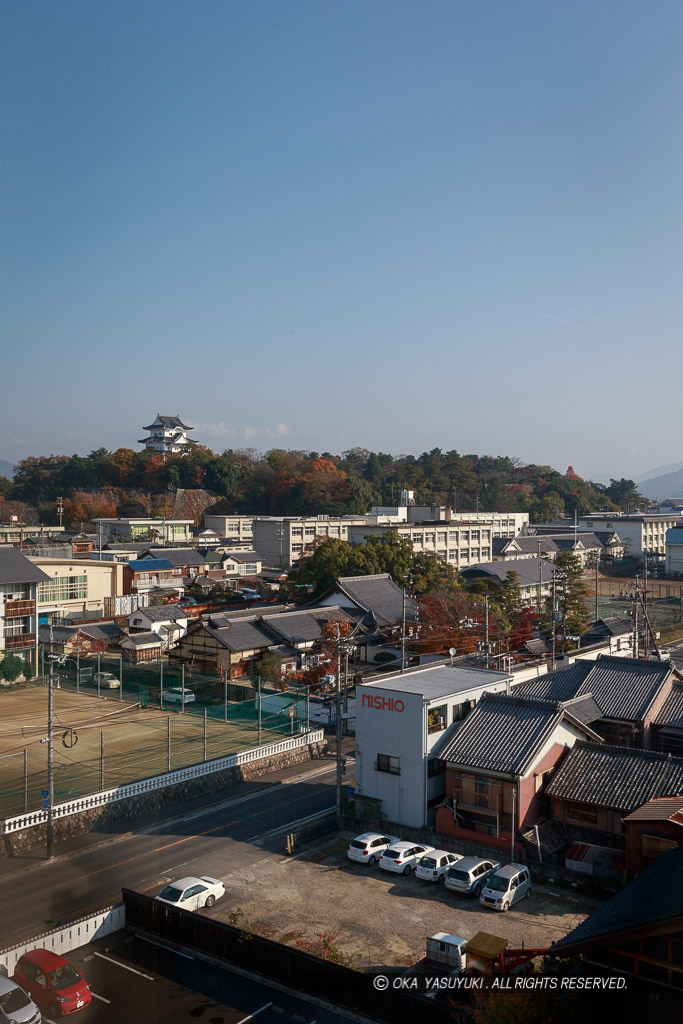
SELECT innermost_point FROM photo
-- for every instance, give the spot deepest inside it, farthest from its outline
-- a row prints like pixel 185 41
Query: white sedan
pixel 402 857
pixel 192 893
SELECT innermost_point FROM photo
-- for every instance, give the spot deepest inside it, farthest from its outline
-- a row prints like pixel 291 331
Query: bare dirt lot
pixel 380 917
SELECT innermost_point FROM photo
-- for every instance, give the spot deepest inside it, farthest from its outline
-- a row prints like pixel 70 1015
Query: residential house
pixel 652 830
pixel 598 786
pixel 499 760
pixel 667 725
pixel 84 639
pixel 19 582
pixel 147 646
pixel 144 575
pixel 585 546
pixel 629 692
pixel 619 633
pixel 240 564
pixel 637 934
pixel 185 561
pixel 233 644
pixel 168 621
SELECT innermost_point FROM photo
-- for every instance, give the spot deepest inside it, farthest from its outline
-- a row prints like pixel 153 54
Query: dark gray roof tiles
pixel 503 733
pixel 584 709
pixel 377 595
pixel 167 421
pixel 671 712
pixel 161 613
pixel 620 778
pixel 147 639
pixel 648 902
pixel 624 688
pixel 304 626
pixel 530 571
pixel 525 545
pixel 17 568
pixel 239 634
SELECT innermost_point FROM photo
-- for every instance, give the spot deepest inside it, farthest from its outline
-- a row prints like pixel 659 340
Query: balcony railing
pixel 18 609
pixel 20 640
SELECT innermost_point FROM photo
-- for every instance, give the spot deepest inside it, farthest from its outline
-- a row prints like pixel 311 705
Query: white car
pixel 433 866
pixel 106 681
pixel 403 857
pixel 368 848
pixel 192 893
pixel 179 695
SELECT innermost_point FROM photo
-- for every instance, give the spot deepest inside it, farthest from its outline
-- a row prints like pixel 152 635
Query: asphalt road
pixel 139 982
pixel 205 842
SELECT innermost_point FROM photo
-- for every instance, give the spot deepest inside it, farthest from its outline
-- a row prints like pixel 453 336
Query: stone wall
pixel 17 843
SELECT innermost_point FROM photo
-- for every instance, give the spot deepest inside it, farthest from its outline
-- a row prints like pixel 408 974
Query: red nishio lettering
pixel 371 700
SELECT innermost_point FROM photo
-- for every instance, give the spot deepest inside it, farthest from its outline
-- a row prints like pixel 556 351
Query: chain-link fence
pixel 147 726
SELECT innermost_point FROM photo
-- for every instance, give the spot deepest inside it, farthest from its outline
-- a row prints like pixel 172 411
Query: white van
pixel 508 885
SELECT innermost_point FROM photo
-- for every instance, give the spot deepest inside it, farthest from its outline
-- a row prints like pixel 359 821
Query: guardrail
pixel 155 782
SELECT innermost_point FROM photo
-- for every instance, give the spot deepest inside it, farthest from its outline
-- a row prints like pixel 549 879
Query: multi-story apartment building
pixel 17 533
pixel 19 581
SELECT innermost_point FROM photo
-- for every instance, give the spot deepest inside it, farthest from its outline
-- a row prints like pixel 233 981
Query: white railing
pixel 195 771
pixel 69 936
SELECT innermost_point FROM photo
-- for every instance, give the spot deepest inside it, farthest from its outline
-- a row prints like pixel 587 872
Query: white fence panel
pixel 108 796
pixel 71 936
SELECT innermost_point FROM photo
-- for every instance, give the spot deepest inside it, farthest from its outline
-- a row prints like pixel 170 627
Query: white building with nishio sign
pixel 402 722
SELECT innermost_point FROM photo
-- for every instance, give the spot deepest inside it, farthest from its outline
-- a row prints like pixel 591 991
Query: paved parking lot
pixel 379 917
pixel 136 981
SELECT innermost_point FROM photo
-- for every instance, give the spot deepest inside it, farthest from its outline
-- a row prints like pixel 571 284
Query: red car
pixel 52 982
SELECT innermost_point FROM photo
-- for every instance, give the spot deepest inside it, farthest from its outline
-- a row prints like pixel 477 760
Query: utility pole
pixel 635 624
pixel 60 509
pixel 552 619
pixel 50 832
pixel 486 627
pixel 338 724
pixel 403 633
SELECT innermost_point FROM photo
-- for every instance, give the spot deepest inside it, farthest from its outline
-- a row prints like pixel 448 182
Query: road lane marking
pixel 254 1014
pixel 125 966
pixel 101 998
pixel 169 949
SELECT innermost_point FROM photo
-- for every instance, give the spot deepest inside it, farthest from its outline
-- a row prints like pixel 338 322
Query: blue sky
pixel 320 225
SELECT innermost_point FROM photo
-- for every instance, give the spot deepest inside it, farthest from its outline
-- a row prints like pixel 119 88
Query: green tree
pixel 572 596
pixel 431 575
pixel 625 494
pixel 11 667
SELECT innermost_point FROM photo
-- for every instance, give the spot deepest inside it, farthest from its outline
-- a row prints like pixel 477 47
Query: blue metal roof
pixel 147 564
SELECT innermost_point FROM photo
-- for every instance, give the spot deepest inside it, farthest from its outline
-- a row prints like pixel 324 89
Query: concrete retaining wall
pixel 70 936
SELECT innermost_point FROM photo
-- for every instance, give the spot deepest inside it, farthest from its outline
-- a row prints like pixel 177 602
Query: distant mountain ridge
pixel 659 471
pixel 669 485
pixel 6 469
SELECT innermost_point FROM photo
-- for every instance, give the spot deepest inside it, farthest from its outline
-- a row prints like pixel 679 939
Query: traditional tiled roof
pixel 237 634
pixel 241 556
pixel 377 595
pixel 530 571
pixel 168 422
pixel 525 545
pixel 613 626
pixel 17 568
pixel 624 688
pixel 504 734
pixel 671 712
pixel 621 778
pixel 147 639
pixel 305 626
pixel 660 809
pixel 647 903
pixel 161 613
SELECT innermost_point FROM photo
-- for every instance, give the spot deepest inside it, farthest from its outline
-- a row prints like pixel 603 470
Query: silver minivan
pixel 469 876
pixel 507 886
